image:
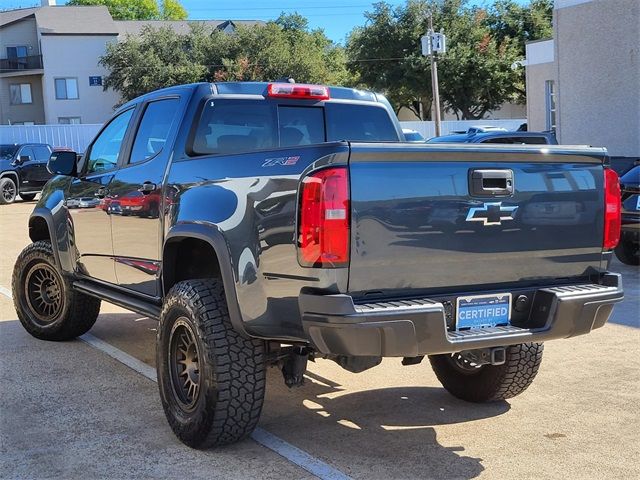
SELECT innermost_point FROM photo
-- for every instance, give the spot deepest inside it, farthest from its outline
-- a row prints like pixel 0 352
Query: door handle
pixel 147 187
pixel 101 192
pixel 491 183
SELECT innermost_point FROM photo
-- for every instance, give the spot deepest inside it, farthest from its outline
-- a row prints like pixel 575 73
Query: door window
pixel 106 148
pixel 26 152
pixel 154 129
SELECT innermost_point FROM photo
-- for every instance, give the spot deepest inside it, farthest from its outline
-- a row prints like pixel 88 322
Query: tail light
pixel 323 227
pixel 295 90
pixel 612 209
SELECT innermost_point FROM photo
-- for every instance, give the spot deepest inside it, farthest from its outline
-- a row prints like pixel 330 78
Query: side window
pixel 154 129
pixel 26 152
pixel 301 125
pixel 106 148
pixel 42 153
pixel 533 140
pixel 499 140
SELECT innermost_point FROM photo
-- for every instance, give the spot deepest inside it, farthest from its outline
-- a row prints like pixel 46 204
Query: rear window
pixel 239 126
pixel 359 123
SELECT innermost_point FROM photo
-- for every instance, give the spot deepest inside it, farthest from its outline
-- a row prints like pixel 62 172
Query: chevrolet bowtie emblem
pixel 491 213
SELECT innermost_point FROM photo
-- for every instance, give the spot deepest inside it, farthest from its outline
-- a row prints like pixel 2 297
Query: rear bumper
pixel 409 328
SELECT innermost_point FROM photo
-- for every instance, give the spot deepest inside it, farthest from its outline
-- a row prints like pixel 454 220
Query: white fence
pixel 76 137
pixel 428 129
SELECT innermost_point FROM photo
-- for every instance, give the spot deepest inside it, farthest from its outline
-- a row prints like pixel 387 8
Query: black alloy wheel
pixel 8 191
pixel 43 286
pixel 184 364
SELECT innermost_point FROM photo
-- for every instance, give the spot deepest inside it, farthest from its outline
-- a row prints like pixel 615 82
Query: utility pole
pixel 434 79
pixel 432 44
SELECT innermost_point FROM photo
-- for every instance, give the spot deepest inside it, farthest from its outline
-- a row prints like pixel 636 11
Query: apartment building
pixel 49 62
pixel 585 82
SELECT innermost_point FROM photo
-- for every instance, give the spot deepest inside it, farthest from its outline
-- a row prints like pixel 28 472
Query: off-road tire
pixel 8 190
pixel 77 312
pixel 231 368
pixel 490 383
pixel 627 250
pixel 27 197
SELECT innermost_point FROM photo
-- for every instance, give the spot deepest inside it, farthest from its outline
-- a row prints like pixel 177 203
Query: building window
pixel 20 93
pixel 19 51
pixel 66 88
pixel 69 120
pixel 550 104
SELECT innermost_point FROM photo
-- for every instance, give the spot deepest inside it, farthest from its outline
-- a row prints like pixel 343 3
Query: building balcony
pixel 21 65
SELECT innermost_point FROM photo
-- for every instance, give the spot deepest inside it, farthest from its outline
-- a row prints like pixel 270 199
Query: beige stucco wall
pixel 76 57
pixel 32 112
pixel 597 50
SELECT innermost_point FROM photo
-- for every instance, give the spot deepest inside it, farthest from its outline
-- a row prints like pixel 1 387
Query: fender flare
pixel 63 261
pixel 214 237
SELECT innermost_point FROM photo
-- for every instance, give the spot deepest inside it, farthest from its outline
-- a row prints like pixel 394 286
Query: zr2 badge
pixel 286 161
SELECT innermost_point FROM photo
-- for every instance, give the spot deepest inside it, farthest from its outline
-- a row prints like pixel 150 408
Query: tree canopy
pixel 139 9
pixel 476 74
pixel 283 48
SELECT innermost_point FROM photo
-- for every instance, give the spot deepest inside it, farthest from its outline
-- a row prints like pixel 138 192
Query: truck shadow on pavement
pixel 377 433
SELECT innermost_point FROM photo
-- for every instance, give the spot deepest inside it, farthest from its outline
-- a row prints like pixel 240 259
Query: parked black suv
pixel 23 170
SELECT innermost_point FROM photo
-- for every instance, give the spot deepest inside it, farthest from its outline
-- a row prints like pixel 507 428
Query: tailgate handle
pixel 491 183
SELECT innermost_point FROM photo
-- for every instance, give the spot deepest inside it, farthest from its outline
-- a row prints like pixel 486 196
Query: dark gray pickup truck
pixel 268 224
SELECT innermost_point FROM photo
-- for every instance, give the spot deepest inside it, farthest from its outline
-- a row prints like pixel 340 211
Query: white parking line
pixel 299 457
pixel 6 292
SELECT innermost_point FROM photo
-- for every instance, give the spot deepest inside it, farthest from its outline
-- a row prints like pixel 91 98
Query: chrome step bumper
pixel 408 328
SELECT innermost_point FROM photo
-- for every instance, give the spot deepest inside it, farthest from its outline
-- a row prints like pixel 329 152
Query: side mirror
pixel 63 163
pixel 23 159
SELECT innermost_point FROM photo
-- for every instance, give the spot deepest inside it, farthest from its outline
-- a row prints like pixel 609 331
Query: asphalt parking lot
pixel 69 410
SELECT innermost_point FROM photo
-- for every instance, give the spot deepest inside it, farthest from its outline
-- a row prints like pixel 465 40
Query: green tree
pixel 173 10
pixel 522 23
pixel 159 58
pixel 475 74
pixel 138 9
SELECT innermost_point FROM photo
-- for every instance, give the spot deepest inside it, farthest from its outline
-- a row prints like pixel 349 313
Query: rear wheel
pixel 489 383
pixel 27 197
pixel 45 301
pixel 8 190
pixel 628 250
pixel 211 379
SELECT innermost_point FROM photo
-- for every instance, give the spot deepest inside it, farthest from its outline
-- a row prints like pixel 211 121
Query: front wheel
pixel 47 305
pixel 489 383
pixel 8 190
pixel 211 379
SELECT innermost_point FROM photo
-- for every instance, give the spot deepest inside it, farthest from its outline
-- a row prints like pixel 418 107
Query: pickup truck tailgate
pixel 428 217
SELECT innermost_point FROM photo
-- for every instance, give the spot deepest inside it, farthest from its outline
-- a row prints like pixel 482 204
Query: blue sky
pixel 336 17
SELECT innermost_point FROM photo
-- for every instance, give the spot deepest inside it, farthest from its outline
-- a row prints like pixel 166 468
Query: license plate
pixel 480 311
